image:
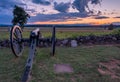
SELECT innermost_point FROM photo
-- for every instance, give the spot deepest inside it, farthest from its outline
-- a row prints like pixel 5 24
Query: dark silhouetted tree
pixel 20 16
pixel 111 27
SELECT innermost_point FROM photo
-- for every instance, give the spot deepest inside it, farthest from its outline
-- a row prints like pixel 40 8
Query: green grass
pixel 80 33
pixel 4 35
pixel 83 59
pixel 59 34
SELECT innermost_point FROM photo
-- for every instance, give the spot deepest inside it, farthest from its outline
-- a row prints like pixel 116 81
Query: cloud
pixel 42 2
pixel 99 13
pixel 6 8
pixel 7 4
pixel 95 1
pixel 57 17
pixel 117 17
pixel 116 23
pixel 101 17
pixel 61 7
pixel 81 5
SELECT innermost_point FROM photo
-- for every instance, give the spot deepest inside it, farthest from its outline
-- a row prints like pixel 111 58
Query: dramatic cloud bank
pixel 57 10
pixel 62 7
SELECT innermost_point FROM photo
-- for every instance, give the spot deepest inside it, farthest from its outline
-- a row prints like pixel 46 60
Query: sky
pixel 64 11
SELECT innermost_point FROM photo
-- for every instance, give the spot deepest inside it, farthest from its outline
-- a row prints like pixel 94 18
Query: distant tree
pixel 110 27
pixel 20 16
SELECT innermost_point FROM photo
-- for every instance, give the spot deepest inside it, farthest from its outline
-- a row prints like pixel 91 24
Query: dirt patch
pixel 111 68
pixel 63 68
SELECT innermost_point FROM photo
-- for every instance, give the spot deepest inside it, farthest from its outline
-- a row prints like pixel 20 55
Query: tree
pixel 111 27
pixel 20 16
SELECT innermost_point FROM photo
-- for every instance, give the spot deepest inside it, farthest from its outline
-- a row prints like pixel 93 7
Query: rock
pixel 114 38
pixel 74 43
pixel 65 42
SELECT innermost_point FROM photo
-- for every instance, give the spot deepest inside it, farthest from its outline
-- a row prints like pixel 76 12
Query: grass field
pixel 60 32
pixel 84 61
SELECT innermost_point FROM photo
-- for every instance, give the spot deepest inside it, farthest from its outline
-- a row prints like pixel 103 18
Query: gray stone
pixel 64 42
pixel 74 43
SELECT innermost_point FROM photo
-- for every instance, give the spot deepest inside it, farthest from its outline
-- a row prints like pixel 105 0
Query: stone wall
pixel 74 42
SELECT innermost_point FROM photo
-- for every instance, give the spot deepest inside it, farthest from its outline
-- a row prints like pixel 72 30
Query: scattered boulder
pixel 74 43
pixel 65 41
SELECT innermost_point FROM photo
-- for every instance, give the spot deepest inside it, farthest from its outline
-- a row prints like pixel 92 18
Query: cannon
pixel 17 46
pixel 17 41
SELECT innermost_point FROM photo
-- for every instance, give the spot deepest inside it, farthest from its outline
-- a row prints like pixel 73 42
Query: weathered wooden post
pixel 53 41
pixel 33 43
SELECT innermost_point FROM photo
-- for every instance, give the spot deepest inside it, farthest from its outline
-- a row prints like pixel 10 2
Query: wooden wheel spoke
pixel 15 35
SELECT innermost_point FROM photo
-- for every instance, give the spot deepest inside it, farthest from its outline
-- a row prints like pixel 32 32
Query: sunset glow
pixel 84 21
pixel 94 12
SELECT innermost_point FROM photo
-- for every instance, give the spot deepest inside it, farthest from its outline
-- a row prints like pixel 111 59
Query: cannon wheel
pixel 53 42
pixel 16 41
